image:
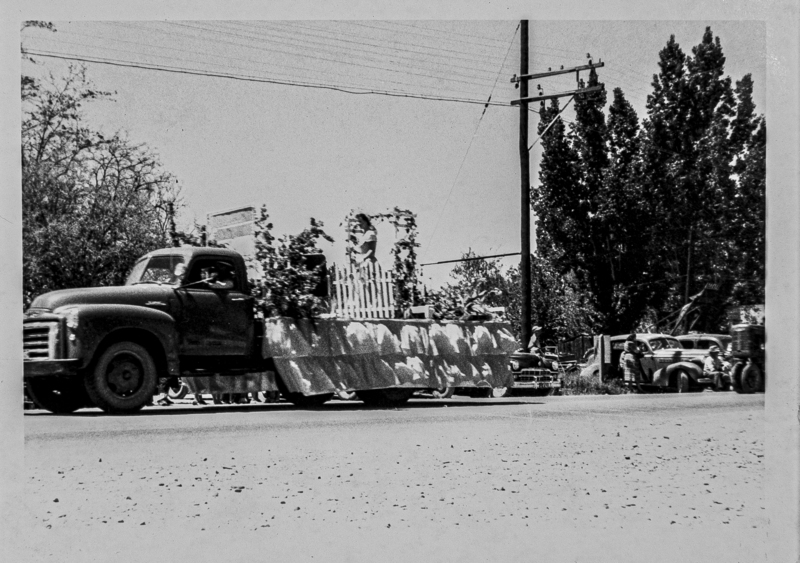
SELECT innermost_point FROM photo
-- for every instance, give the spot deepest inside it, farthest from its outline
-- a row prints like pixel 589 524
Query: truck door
pixel 216 317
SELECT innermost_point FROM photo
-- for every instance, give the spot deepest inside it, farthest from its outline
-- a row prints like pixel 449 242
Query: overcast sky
pixel 317 152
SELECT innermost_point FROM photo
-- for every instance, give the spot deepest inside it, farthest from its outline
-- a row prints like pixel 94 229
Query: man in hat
pixel 714 368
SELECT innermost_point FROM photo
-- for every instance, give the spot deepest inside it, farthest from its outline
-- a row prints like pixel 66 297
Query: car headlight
pixel 554 366
pixel 514 365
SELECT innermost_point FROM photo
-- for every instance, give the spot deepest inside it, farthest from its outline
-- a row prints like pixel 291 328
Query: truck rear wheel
pixel 56 394
pixel 752 379
pixel 393 397
pixel 124 378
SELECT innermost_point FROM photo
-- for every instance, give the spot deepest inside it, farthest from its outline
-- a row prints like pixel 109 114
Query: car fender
pixel 97 322
pixel 662 376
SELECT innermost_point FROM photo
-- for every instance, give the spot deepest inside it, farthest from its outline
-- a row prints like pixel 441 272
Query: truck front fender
pixel 663 376
pixel 89 326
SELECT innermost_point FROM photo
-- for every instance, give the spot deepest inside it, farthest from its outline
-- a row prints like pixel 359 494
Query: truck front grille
pixel 39 340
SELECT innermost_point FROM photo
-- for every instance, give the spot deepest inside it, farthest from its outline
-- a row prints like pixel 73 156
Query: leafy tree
pixel 557 303
pixel 643 218
pixel 91 204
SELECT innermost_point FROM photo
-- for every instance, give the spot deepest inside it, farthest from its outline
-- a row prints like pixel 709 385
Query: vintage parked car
pixel 665 364
pixel 698 341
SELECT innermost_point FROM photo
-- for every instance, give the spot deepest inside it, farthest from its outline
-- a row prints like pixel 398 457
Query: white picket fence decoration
pixel 362 291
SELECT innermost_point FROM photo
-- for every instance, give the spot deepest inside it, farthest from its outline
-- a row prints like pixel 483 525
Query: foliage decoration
pixel 287 284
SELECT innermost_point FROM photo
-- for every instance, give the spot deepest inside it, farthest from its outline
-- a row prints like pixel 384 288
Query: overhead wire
pixel 106 48
pixel 270 63
pixel 328 59
pixel 469 146
pixel 439 33
pixel 443 63
pixel 456 54
pixel 111 62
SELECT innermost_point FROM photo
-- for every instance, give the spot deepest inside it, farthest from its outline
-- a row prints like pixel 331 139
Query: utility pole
pixel 524 161
pixel 525 211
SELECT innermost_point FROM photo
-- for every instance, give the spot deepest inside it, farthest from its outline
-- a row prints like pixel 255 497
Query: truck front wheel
pixel 123 379
pixel 57 395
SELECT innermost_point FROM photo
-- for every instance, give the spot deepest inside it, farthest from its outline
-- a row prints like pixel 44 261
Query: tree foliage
pixel 646 216
pixel 557 303
pixel 287 281
pixel 91 203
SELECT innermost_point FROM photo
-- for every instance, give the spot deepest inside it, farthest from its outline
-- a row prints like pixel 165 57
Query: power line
pixel 480 119
pixel 330 59
pixel 227 66
pixel 394 55
pixel 260 62
pixel 439 32
pixel 437 49
pixel 111 62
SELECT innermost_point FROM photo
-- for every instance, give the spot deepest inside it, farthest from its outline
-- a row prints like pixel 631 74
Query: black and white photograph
pixel 421 284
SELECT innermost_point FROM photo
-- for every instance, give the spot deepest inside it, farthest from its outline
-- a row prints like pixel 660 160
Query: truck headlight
pixel 72 319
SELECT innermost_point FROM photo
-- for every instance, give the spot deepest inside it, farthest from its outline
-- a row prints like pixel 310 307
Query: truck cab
pixel 181 311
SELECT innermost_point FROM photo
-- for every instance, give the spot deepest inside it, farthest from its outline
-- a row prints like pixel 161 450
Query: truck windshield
pixel 158 269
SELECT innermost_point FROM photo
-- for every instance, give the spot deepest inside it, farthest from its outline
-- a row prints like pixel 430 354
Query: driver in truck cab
pixel 218 277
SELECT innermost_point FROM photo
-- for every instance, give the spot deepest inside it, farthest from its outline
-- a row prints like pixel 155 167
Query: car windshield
pixel 158 269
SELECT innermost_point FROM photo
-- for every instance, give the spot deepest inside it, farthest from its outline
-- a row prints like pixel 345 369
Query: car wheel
pixel 681 382
pixel 752 379
pixel 124 378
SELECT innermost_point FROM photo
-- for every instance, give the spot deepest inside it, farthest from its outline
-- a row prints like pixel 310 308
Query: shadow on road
pixel 333 406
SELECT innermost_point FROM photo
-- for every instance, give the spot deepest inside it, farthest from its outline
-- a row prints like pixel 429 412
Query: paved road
pixel 626 478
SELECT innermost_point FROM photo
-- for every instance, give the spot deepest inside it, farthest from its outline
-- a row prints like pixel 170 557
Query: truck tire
pixel 123 379
pixel 56 394
pixel 393 397
pixel 681 382
pixel 752 379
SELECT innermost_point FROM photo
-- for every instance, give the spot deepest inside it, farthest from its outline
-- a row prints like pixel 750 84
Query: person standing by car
pixel 714 368
pixel 629 361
